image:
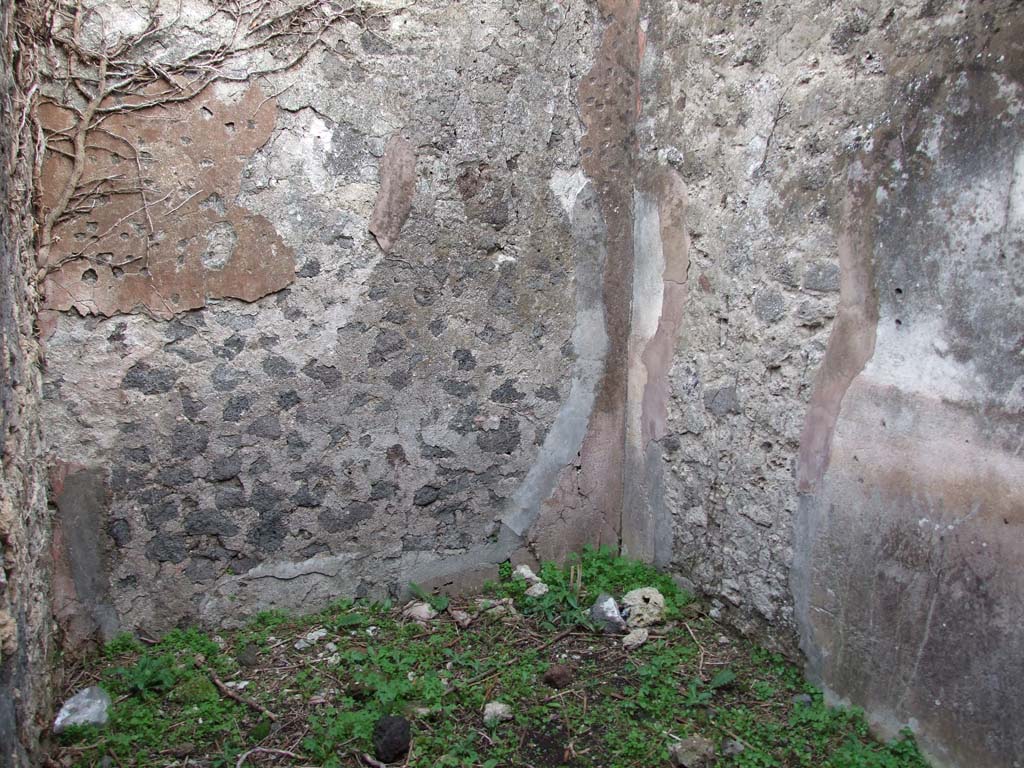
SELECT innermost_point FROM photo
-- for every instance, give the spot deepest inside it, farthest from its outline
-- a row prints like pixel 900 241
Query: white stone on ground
pixel 419 611
pixel 537 590
pixel 496 712
pixel 310 639
pixel 90 706
pixel 525 572
pixel 635 639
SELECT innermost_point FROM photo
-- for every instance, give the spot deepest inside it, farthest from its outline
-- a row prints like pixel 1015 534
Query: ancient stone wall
pixel 844 398
pixel 267 386
pixel 26 629
pixel 399 291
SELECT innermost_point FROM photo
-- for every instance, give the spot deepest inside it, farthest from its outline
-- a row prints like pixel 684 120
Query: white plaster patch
pixel 311 150
pixel 1010 92
pixel 500 257
pixel 905 357
pixel 648 285
pixel 931 140
pixel 566 187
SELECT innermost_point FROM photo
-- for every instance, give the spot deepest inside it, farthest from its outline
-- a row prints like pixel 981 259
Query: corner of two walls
pixel 748 189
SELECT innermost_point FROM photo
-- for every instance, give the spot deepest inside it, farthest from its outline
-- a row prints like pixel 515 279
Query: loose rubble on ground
pixel 538 672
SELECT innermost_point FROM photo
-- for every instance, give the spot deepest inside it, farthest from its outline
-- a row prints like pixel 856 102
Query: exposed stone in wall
pixel 398 413
pixel 748 104
pixel 26 630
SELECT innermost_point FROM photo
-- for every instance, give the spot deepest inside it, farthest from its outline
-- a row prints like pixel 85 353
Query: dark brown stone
pixel 559 676
pixel 391 738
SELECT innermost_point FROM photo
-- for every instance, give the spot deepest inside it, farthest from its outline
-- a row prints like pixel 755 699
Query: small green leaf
pixel 723 678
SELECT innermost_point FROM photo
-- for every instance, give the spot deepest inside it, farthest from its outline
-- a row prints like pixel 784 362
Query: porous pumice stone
pixel 643 607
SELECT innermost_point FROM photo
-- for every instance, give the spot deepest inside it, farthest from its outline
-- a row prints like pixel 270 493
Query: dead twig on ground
pixel 700 648
pixel 239 697
pixel 264 751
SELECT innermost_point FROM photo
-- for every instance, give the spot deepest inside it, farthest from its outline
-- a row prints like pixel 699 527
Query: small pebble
pixel 537 590
pixel 635 639
pixel 310 639
pixel 249 656
pixel 694 752
pixel 732 747
pixel 525 572
pixel 419 611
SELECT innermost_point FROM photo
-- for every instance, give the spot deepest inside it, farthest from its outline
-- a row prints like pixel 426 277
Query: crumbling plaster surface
pixel 907 574
pixel 753 106
pixel 845 392
pixel 186 241
pixel 375 422
pixel 26 628
pixel 646 294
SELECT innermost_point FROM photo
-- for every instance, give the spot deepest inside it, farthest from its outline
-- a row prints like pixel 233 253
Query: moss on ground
pixel 252 698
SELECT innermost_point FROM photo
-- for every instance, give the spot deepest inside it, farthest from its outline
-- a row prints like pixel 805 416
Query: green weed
pixel 621 710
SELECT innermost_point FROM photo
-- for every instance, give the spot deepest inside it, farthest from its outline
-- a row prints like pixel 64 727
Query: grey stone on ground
pixel 496 712
pixel 391 738
pixel 694 752
pixel 803 698
pixel 605 614
pixel 249 656
pixel 310 639
pixel 732 747
pixel 90 706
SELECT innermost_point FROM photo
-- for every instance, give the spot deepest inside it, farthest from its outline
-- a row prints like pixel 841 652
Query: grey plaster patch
pixel 82 503
pixel 274 586
pixel 563 440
